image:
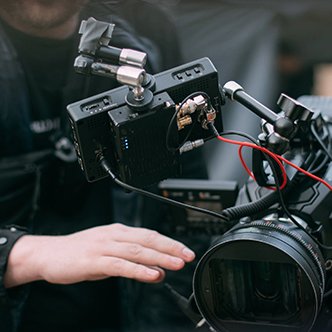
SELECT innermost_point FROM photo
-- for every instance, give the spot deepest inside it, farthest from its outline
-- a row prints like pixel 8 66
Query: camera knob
pixel 293 109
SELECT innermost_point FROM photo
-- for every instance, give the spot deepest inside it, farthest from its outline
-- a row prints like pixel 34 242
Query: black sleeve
pixel 9 301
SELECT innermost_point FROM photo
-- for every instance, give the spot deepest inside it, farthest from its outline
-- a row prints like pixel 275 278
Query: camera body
pixel 266 272
pixel 269 268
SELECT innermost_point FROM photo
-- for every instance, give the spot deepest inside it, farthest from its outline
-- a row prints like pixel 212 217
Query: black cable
pixel 267 201
pixel 106 167
pixel 271 164
pixel 228 214
pixel 251 208
pixel 281 198
pixel 279 191
pixel 238 133
pixel 269 160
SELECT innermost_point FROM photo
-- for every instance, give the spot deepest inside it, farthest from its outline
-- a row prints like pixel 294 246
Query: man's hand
pixel 96 253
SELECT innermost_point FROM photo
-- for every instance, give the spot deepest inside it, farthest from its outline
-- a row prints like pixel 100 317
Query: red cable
pixel 281 166
pixel 251 174
pixel 306 172
pixel 277 158
pixel 260 148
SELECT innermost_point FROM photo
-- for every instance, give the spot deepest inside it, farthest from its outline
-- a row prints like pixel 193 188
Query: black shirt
pixel 46 63
pixel 71 204
pixel 68 202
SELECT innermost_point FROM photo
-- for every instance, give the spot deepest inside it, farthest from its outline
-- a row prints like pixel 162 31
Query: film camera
pixel 269 267
pixel 271 270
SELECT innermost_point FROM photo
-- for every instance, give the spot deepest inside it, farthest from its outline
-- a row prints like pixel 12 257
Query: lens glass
pixel 255 290
pixel 260 278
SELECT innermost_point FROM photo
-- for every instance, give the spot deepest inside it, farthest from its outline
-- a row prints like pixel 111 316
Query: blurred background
pixel 267 46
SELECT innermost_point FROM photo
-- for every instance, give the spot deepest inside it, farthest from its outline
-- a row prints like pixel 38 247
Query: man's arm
pixel 93 254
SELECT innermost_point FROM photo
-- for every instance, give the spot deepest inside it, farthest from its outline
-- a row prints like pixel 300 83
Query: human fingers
pixel 143 255
pixel 161 276
pixel 118 267
pixel 154 240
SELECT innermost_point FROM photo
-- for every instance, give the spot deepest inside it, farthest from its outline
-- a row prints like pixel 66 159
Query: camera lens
pixel 267 274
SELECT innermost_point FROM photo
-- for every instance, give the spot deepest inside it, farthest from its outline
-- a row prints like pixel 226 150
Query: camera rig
pixel 271 268
pixel 128 125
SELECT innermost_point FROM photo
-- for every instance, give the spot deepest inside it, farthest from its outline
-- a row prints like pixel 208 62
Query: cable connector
pixel 191 105
pixel 190 145
pixel 105 165
pixel 209 115
pixel 184 110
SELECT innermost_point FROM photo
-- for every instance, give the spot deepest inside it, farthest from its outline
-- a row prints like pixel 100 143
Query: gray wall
pixel 242 39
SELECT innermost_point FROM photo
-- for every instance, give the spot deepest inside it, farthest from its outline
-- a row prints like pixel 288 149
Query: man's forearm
pixel 23 261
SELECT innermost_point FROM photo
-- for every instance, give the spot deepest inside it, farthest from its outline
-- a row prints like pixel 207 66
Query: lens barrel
pixel 263 275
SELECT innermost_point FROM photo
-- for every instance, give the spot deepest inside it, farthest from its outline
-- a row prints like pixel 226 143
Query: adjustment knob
pixel 293 109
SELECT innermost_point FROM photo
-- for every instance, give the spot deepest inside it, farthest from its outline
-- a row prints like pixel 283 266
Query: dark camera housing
pixel 262 275
pixel 105 123
pixel 269 272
